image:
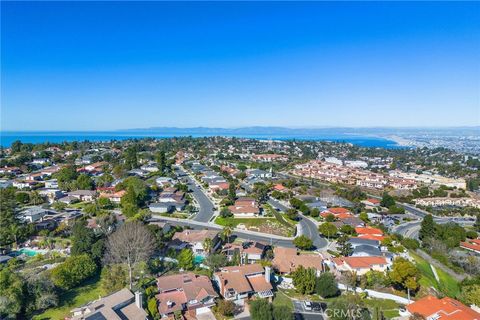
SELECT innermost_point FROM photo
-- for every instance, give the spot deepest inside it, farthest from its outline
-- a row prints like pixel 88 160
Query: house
pixel 371 203
pixel 241 282
pixel 433 308
pixel 249 252
pixel 279 187
pixel 195 240
pixel 12 170
pixel 184 292
pixel 472 245
pixel 51 184
pixel 365 247
pixel 337 212
pixel 50 194
pixel 287 260
pixel 269 157
pixel 83 195
pixel 40 161
pixel 257 173
pixel 34 214
pixel 370 233
pixel 161 207
pixel 244 207
pixel 164 181
pixel 121 305
pixel 115 197
pixel 95 167
pixel 360 265
pixel 149 168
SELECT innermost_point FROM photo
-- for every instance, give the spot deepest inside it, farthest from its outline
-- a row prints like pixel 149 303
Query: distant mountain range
pixel 266 130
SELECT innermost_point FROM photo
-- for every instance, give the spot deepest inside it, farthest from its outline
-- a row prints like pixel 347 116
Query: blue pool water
pixel 198 259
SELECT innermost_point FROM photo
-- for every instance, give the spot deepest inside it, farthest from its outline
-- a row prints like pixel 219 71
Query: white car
pixel 307 305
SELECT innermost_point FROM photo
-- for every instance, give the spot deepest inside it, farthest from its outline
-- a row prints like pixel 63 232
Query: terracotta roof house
pixel 240 282
pixel 249 252
pixel 287 260
pixel 371 202
pixel 121 305
pixel 245 207
pixel 361 265
pixel 184 292
pixel 472 245
pixel 195 239
pixel 337 212
pixel 370 233
pixel 447 308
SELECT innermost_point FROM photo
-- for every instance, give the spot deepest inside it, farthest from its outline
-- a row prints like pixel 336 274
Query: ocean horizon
pixel 8 137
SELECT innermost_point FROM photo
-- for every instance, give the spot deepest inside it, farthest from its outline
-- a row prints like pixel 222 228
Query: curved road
pixel 305 226
pixel 206 207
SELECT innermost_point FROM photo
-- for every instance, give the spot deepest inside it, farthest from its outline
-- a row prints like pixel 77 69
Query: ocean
pixel 8 137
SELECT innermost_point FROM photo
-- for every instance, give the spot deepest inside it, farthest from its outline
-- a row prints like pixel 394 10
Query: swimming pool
pixel 198 259
pixel 30 252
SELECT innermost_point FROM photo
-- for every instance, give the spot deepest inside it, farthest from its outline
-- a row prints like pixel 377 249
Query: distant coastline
pixel 8 137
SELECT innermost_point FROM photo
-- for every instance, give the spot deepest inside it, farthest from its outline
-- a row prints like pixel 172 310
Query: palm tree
pixel 208 245
pixel 36 198
pixel 226 233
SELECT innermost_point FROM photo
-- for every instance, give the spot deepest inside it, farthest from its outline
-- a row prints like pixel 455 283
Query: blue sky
pixel 115 65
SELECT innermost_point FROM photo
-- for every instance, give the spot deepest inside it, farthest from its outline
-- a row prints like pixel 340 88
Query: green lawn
pixel 264 225
pixel 77 297
pixel 281 299
pixel 447 284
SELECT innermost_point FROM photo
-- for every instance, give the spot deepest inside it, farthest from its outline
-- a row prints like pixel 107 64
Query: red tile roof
pixel 444 309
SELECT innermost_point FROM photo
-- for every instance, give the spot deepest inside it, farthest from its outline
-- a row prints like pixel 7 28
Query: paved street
pixel 306 226
pixel 301 313
pixel 206 206
pixel 247 235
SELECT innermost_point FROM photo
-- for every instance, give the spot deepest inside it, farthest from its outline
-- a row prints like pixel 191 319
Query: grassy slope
pixel 447 284
pixel 77 297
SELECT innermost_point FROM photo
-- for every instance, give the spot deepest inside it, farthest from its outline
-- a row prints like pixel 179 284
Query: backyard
pixel 73 298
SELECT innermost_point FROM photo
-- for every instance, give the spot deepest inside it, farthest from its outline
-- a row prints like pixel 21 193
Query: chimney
pixel 139 299
pixel 267 274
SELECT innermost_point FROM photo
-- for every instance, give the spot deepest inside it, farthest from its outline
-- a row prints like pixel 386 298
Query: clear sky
pixel 116 65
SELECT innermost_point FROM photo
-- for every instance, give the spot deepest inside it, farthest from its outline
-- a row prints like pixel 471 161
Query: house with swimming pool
pixel 195 240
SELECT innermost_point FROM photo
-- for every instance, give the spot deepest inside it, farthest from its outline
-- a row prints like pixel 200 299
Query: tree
pixel 36 198
pixel 161 161
pixel 304 280
pixel 215 261
pixel 387 200
pixel 83 239
pixel 303 242
pixel 22 197
pixel 84 182
pixel 261 310
pixel 130 156
pixel 113 278
pixel 404 274
pixel 232 193
pixel 282 313
pixel 226 307
pixel 292 214
pixel 261 191
pixel 41 293
pixel 326 286
pixel 131 244
pixel 344 247
pixel 65 177
pixel 12 293
pixel 225 213
pixel 226 233
pixel 129 202
pixel 477 223
pixel 9 224
pixel 470 294
pixel 73 271
pixel 427 228
pixel 364 217
pixel 208 245
pixel 328 229
pixel 153 308
pixel 185 259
